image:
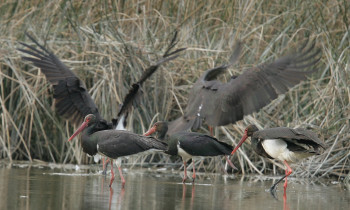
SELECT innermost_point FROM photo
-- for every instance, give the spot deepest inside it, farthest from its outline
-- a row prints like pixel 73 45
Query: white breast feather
pixel 97 158
pixel 185 156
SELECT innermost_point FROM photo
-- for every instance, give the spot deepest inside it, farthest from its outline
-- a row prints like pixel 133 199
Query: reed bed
pixel 109 43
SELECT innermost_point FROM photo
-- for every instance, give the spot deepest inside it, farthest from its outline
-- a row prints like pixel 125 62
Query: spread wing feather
pixel 72 100
pixel 135 93
pixel 223 103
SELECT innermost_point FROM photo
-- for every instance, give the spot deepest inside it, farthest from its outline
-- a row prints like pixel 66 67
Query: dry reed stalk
pixel 108 44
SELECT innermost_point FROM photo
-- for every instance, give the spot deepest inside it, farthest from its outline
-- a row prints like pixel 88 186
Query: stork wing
pixel 297 139
pixel 201 145
pixel 116 144
pixel 134 93
pixel 224 103
pixel 206 81
pixel 72 100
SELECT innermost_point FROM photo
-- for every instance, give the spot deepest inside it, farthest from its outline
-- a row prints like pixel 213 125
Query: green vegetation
pixel 109 43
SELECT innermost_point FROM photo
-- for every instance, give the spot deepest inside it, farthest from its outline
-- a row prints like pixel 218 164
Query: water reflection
pixel 184 193
pixel 285 205
pixel 120 197
pixel 43 187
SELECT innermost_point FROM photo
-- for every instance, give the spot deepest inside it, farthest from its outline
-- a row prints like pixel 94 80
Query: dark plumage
pixel 284 144
pixel 134 92
pixel 188 144
pixel 125 143
pixel 223 103
pixel 72 100
pixel 114 143
pixel 197 144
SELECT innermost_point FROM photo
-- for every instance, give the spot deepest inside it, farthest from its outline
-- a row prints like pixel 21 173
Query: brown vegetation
pixel 109 43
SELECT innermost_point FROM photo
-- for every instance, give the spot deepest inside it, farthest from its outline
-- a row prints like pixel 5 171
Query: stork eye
pixel 88 119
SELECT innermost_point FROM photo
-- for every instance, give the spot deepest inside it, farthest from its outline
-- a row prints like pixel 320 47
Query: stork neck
pixel 161 135
pixel 89 142
pixel 87 132
pixel 161 129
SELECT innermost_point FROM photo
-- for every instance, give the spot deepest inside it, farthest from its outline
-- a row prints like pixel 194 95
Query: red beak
pixel 80 129
pixel 244 137
pixel 150 131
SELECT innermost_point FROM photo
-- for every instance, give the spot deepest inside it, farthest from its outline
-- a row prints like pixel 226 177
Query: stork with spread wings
pixel 219 103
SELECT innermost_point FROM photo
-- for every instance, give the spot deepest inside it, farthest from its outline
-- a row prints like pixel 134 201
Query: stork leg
pixel 288 172
pixel 118 162
pixel 211 130
pixel 194 171
pixel 121 176
pixel 112 172
pixel 230 163
pixel 185 175
pixel 104 165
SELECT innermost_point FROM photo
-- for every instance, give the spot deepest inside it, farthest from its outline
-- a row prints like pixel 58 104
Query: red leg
pixel 285 180
pixel 288 172
pixel 211 130
pixel 230 163
pixel 185 175
pixel 112 172
pixel 121 176
pixel 104 165
pixel 194 171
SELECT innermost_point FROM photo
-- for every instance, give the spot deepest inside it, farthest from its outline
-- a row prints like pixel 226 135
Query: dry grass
pixel 108 43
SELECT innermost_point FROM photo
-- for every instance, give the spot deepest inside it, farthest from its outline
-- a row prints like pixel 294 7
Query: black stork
pixel 114 143
pixel 190 144
pixel 285 144
pixel 72 99
pixel 220 103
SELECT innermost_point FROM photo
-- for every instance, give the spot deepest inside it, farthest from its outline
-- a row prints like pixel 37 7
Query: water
pixel 24 186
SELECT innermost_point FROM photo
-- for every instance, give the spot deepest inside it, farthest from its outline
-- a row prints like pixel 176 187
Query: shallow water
pixel 24 186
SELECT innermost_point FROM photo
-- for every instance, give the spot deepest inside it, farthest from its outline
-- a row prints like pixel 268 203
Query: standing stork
pixel 285 144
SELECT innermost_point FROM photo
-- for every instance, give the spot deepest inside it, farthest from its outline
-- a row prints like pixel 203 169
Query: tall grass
pixel 109 43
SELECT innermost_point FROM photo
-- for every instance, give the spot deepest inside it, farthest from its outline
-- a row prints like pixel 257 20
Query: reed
pixel 109 43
